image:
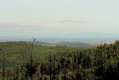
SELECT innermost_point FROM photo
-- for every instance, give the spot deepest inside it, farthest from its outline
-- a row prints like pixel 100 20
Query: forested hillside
pixel 26 61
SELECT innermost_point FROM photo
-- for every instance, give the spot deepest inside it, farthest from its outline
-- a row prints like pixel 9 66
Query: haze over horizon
pixel 62 18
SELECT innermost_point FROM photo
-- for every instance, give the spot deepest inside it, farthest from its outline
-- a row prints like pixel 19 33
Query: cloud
pixel 71 21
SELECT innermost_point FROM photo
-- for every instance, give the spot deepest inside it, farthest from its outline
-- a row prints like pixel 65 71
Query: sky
pixel 58 17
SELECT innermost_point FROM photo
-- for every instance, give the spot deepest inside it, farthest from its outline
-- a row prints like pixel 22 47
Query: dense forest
pixel 29 61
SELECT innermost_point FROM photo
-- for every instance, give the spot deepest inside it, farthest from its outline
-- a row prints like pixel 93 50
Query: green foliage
pixel 59 62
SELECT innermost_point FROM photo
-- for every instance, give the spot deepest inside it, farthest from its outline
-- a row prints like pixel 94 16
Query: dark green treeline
pixel 60 63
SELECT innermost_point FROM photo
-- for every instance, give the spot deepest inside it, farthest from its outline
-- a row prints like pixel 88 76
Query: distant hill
pixel 68 44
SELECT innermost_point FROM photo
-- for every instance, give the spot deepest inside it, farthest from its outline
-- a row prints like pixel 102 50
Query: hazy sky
pixel 49 17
